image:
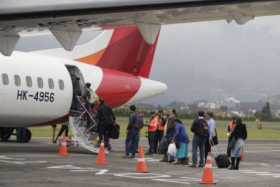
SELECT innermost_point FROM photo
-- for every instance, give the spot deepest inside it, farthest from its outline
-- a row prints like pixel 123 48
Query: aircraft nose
pixel 149 88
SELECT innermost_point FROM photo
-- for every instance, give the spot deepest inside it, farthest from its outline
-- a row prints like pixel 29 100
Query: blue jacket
pixel 181 135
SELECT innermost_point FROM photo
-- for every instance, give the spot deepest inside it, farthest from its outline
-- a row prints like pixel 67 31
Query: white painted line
pixel 102 172
pixel 255 172
pixel 12 162
pixel 66 167
pixel 3 157
pixel 177 181
pixel 246 170
pixel 141 175
pixel 264 174
pixel 23 162
pixel 191 179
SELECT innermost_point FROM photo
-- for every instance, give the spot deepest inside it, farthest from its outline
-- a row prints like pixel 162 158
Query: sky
pixel 216 60
pixel 211 60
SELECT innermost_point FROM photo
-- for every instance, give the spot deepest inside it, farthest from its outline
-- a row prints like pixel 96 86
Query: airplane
pixel 66 19
pixel 38 88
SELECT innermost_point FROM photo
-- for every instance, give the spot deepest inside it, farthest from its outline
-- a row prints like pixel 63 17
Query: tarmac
pixel 38 164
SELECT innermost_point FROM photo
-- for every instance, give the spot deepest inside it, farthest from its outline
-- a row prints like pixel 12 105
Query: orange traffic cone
pixel 141 166
pixel 207 177
pixel 141 152
pixel 63 147
pixel 101 157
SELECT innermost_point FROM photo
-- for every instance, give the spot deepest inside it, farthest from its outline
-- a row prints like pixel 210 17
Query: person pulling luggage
pixel 238 137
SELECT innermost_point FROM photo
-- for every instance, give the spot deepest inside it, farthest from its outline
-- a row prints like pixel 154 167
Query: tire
pixel 5 133
pixel 23 135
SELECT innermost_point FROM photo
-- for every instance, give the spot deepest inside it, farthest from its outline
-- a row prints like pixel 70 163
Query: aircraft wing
pixel 66 18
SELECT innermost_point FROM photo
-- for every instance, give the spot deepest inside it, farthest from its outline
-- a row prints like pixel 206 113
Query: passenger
pixel 230 128
pixel 181 140
pixel 89 98
pixel 212 134
pixel 132 136
pixel 152 128
pixel 160 129
pixel 238 137
pixel 140 122
pixel 76 92
pixel 64 129
pixel 169 133
pixel 200 130
pixel 105 119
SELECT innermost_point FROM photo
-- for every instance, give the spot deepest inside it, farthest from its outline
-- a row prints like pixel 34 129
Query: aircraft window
pixel 40 82
pixel 28 80
pixel 17 80
pixel 5 79
pixel 61 84
pixel 51 83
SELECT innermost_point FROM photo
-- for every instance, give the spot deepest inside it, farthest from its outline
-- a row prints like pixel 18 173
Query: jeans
pixel 198 142
pixel 152 142
pixel 131 142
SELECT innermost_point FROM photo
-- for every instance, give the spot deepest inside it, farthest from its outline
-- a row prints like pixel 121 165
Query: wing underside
pixel 66 19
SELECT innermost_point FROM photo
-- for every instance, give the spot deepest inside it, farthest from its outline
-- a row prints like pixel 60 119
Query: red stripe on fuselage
pixel 117 88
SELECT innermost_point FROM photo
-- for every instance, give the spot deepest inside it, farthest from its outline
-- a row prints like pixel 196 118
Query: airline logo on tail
pixel 126 51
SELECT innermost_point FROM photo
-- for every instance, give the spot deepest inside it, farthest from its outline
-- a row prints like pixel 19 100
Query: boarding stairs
pixel 85 135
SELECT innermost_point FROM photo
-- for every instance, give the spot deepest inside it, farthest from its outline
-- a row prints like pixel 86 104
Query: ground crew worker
pixel 160 129
pixel 152 129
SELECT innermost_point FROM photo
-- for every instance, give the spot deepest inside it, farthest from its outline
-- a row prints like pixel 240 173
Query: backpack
pixel 139 121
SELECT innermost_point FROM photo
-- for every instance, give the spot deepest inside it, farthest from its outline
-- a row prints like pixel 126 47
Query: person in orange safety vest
pixel 160 128
pixel 152 129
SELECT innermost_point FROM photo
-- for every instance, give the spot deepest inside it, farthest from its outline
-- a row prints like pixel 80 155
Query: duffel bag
pixel 115 131
pixel 222 161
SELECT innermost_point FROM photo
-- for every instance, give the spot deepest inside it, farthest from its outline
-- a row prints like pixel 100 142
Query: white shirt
pixel 211 128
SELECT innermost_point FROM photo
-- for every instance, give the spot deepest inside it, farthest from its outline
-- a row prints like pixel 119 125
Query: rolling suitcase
pixel 222 160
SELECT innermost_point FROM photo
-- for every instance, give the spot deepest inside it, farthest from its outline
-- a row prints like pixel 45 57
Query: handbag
pixel 114 132
pixel 172 149
pixel 215 139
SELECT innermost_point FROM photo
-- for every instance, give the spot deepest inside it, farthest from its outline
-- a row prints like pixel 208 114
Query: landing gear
pixel 5 134
pixel 23 135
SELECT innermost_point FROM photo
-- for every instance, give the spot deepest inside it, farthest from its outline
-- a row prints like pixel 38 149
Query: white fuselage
pixel 35 89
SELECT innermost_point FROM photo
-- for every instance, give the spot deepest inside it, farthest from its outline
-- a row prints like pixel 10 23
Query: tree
pixel 266 112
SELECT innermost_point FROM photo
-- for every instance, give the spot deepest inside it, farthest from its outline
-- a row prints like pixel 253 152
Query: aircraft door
pixel 78 87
